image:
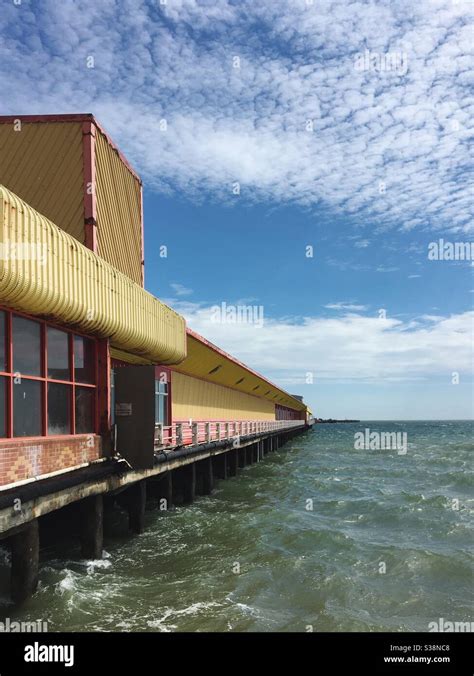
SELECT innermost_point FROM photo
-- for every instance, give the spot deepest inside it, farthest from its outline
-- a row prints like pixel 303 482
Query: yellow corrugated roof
pixel 204 358
pixel 67 282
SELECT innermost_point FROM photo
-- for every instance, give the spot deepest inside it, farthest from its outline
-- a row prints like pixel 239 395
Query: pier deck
pixel 178 475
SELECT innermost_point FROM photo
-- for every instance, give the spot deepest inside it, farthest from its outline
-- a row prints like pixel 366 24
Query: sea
pixel 320 536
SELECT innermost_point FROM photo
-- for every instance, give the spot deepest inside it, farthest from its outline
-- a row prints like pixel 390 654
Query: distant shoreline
pixel 394 420
pixel 331 420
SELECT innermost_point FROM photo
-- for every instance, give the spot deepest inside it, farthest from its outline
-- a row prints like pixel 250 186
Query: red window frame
pixel 44 379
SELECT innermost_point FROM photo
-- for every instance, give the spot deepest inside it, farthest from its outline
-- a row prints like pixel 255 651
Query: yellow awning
pixel 47 273
pixel 209 362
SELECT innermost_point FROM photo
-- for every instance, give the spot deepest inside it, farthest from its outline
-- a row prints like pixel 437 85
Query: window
pixel 3 414
pixel 84 410
pixel 3 361
pixel 59 408
pixel 47 379
pixel 112 397
pixel 27 408
pixel 84 360
pixel 58 354
pixel 161 402
pixel 26 337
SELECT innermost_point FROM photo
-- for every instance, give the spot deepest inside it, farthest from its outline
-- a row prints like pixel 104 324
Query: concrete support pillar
pixel 189 482
pixel 249 454
pixel 25 559
pixel 220 466
pixel 256 452
pixel 242 457
pixel 92 527
pixel 233 462
pixel 204 477
pixel 136 501
pixel 166 491
pixel 161 488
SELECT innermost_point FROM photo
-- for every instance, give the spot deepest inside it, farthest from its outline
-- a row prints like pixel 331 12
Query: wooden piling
pixel 233 462
pixel 204 477
pixel 25 560
pixel 136 502
pixel 220 466
pixel 189 482
pixel 92 527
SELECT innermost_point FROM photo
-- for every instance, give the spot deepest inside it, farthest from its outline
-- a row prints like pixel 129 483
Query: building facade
pixel 91 364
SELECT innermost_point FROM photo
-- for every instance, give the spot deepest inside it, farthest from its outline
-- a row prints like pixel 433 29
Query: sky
pixel 301 159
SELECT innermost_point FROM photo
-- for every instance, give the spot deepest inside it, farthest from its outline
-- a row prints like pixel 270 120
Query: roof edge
pixel 301 404
pixel 73 117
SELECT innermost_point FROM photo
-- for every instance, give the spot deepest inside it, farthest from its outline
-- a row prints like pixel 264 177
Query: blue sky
pixel 367 165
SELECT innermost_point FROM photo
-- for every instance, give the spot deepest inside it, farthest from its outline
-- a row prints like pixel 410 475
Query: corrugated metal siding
pixel 76 287
pixel 202 359
pixel 43 165
pixel 127 357
pixel 200 400
pixel 119 225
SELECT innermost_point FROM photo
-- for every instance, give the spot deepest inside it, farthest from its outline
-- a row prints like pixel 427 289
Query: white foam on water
pixel 248 610
pixel 194 609
pixel 67 584
pixel 92 565
pixel 160 623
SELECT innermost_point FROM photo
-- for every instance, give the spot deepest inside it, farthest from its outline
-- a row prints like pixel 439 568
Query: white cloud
pixel 344 348
pixel 346 306
pixel 386 148
pixel 362 244
pixel 180 290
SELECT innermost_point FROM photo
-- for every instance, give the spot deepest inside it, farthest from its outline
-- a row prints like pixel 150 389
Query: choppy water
pixel 297 567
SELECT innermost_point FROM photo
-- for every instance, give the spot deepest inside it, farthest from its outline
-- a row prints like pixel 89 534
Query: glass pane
pixel 84 410
pixel 112 397
pixel 3 361
pixel 26 346
pixel 161 409
pixel 84 354
pixel 58 354
pixel 3 415
pixel 59 420
pixel 27 408
pixel 157 407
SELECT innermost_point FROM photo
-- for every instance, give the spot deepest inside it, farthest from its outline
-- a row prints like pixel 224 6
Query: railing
pixel 191 433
